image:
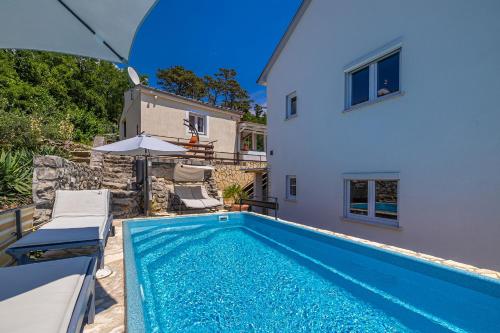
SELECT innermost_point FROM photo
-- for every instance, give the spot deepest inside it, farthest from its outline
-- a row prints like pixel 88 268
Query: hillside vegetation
pixel 45 95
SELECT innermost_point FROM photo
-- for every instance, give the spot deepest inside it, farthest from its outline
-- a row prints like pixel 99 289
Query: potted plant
pixel 233 194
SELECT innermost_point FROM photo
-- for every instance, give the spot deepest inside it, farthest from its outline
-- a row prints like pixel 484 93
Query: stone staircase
pixel 118 175
pixel 80 156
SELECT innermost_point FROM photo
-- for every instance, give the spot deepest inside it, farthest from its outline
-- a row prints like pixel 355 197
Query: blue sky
pixel 204 35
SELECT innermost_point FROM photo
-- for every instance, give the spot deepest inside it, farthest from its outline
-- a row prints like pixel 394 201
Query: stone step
pixel 117 175
pixel 80 153
pixel 80 160
pixel 112 185
pixel 115 168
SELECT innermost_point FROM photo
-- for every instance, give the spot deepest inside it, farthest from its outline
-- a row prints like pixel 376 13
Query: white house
pixel 384 123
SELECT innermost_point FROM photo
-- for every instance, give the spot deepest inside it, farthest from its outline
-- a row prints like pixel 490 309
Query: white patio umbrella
pixel 142 145
pixel 91 28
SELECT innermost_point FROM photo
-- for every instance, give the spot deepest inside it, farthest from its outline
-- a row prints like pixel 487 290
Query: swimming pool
pixel 251 273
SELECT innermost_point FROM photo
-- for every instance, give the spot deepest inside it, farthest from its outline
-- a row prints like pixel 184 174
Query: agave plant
pixel 15 174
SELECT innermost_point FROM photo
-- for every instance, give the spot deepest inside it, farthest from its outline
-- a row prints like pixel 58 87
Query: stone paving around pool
pixel 110 292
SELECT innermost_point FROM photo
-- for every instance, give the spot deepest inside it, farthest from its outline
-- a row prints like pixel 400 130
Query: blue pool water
pixel 197 274
pixel 386 207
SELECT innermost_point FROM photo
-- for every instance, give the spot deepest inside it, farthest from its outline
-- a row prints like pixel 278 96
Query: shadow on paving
pixel 103 300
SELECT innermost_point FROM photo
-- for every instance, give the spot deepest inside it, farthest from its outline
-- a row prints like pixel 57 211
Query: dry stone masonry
pixel 118 174
pixel 54 173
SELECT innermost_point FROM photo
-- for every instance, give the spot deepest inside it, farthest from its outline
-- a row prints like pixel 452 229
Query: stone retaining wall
pixel 56 173
pixel 229 174
pixel 117 173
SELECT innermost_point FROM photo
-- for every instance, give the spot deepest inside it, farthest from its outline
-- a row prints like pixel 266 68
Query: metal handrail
pixel 274 205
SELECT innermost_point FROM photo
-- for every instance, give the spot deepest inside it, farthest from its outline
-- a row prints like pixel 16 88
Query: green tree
pixel 182 82
pixel 258 110
pixel 233 95
pixel 59 97
pixel 214 89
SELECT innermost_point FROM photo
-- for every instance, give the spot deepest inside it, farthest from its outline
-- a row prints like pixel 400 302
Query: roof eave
pixel 192 101
pixel 282 43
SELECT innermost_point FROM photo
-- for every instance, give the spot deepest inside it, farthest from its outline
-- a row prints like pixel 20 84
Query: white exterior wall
pixel 164 116
pixel 442 135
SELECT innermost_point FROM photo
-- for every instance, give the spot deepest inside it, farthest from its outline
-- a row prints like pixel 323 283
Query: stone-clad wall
pixel 117 173
pixel 56 173
pixel 228 174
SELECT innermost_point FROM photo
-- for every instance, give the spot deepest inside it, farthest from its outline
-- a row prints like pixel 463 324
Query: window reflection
pixel 386 199
pixel 360 82
pixel 388 75
pixel 358 197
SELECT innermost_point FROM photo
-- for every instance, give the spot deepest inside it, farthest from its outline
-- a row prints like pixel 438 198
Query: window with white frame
pixel 199 122
pixel 291 105
pixel 373 80
pixel 372 198
pixel 291 187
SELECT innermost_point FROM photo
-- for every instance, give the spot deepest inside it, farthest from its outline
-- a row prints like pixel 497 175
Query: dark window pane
pixel 260 142
pixel 192 121
pixel 358 202
pixel 293 186
pixel 388 75
pixel 360 86
pixel 201 125
pixel 293 105
pixel 386 199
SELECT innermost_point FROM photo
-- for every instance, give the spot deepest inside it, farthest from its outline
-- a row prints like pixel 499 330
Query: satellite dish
pixel 134 77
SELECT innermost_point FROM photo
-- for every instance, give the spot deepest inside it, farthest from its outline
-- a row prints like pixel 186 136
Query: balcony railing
pixel 206 151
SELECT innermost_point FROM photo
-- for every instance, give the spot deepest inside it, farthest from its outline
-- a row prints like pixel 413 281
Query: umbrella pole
pixel 146 184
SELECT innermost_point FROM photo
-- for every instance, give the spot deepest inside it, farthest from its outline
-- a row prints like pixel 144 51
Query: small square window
pixel 373 199
pixel 374 80
pixel 198 122
pixel 291 105
pixel 291 187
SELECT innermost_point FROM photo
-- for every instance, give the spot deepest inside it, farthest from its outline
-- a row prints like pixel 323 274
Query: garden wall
pixel 52 173
pixel 229 174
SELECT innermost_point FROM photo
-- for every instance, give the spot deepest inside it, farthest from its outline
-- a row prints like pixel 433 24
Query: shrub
pixel 15 176
pixel 234 192
pixel 16 170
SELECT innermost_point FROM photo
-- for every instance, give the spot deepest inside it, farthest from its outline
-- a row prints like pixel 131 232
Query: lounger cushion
pixel 66 230
pixel 211 202
pixel 186 196
pixel 82 203
pixel 200 192
pixel 193 203
pixel 40 297
pixel 196 197
pixel 184 192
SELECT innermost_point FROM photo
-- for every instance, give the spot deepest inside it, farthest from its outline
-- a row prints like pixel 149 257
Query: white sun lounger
pixel 79 219
pixel 200 192
pixel 195 197
pixel 48 297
